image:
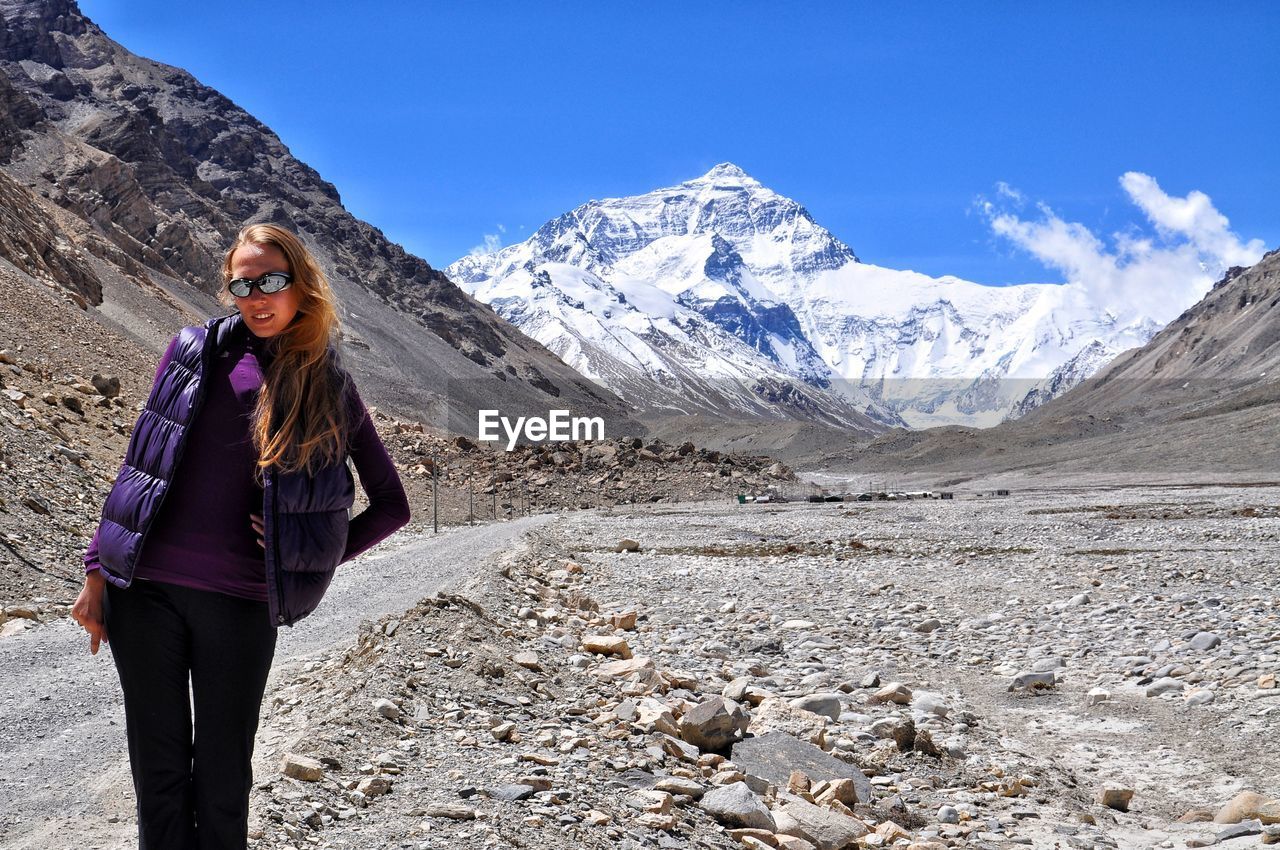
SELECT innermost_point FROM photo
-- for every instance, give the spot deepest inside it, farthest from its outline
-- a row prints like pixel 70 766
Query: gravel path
pixel 63 769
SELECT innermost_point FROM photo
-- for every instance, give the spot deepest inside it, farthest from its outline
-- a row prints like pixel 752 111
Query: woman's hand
pixel 87 610
pixel 256 521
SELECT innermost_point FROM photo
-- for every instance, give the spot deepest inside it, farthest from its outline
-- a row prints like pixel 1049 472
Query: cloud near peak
pixel 1158 274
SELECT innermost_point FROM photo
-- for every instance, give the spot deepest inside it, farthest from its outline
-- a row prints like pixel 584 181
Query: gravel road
pixel 64 775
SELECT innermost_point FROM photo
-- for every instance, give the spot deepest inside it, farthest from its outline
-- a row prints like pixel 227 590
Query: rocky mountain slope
pixel 123 180
pixel 1200 399
pixel 63 432
pixel 620 288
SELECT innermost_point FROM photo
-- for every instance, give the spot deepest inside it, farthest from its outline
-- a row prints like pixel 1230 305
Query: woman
pixel 227 520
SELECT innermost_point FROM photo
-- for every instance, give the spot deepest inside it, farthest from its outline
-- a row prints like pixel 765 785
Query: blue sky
pixel 890 122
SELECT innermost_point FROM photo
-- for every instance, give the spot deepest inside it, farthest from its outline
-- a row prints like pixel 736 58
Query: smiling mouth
pixel 263 316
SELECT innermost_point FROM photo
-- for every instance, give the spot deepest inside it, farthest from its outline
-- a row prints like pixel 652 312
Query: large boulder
pixel 823 828
pixel 774 755
pixel 714 724
pixel 737 806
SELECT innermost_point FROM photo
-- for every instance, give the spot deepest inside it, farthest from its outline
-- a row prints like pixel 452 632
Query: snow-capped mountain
pixel 721 295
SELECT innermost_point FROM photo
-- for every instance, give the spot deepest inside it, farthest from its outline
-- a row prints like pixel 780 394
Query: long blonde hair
pixel 300 419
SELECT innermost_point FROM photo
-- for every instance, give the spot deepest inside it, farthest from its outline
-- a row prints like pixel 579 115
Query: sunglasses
pixel 269 284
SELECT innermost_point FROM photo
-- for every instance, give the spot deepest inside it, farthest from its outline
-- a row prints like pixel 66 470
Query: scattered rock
pixel 772 757
pixel 1246 805
pixel 823 828
pixel 386 708
pixel 894 692
pixel 714 724
pixel 303 768
pixel 607 645
pixel 1115 797
pixel 736 805
pixel 827 705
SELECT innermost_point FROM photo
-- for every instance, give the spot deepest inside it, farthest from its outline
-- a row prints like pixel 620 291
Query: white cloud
pixel 492 243
pixel 1158 275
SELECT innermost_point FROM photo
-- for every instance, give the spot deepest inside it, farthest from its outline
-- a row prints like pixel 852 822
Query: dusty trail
pixel 63 772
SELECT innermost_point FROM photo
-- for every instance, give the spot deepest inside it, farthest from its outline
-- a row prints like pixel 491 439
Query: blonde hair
pixel 300 419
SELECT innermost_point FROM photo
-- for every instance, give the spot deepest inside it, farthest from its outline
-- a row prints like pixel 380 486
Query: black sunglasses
pixel 269 284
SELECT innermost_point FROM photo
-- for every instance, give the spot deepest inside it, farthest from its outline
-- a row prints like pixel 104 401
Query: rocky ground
pixel 1050 669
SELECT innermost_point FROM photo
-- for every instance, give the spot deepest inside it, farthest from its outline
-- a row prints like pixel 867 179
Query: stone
pixel 301 767
pixel 373 786
pixel 607 645
pixel 655 820
pixel 649 800
pixel 387 709
pixel 828 705
pixel 1167 685
pixel 528 660
pixel 948 814
pixel 1239 830
pixel 925 745
pixel 106 385
pixel 680 786
pixel 930 625
pixel 904 735
pixel 891 832
pixel 1204 641
pixel 503 731
pixel 1031 681
pixel 511 793
pixel 673 746
pixel 1199 696
pixel 625 620
pixel 1097 696
pixel 1197 816
pixel 894 692
pixel 714 724
pixel 736 805
pixel 451 811
pixel 621 669
pixel 776 714
pixel 824 829
pixel 1244 806
pixel 797 625
pixel 654 714
pixel 843 791
pixel 773 755
pixel 1115 797
pixel 626 544
pixel 930 703
pixel 794 842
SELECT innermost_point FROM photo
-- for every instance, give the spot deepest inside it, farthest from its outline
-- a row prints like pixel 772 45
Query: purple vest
pixel 305 515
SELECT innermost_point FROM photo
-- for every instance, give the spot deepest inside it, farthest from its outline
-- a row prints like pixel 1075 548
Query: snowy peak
pixel 724 263
pixel 726 175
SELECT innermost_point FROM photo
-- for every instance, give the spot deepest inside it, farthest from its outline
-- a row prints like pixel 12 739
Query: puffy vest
pixel 305 516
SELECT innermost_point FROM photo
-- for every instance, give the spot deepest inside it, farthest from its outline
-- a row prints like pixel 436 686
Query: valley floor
pixel 889 634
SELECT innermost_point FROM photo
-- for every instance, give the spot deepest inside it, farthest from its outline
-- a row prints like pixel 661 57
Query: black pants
pixel 192 780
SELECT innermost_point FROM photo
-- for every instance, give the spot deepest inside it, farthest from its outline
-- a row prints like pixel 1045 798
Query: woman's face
pixel 264 315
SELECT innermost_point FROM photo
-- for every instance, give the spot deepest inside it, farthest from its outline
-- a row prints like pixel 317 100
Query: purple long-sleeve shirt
pixel 202 536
